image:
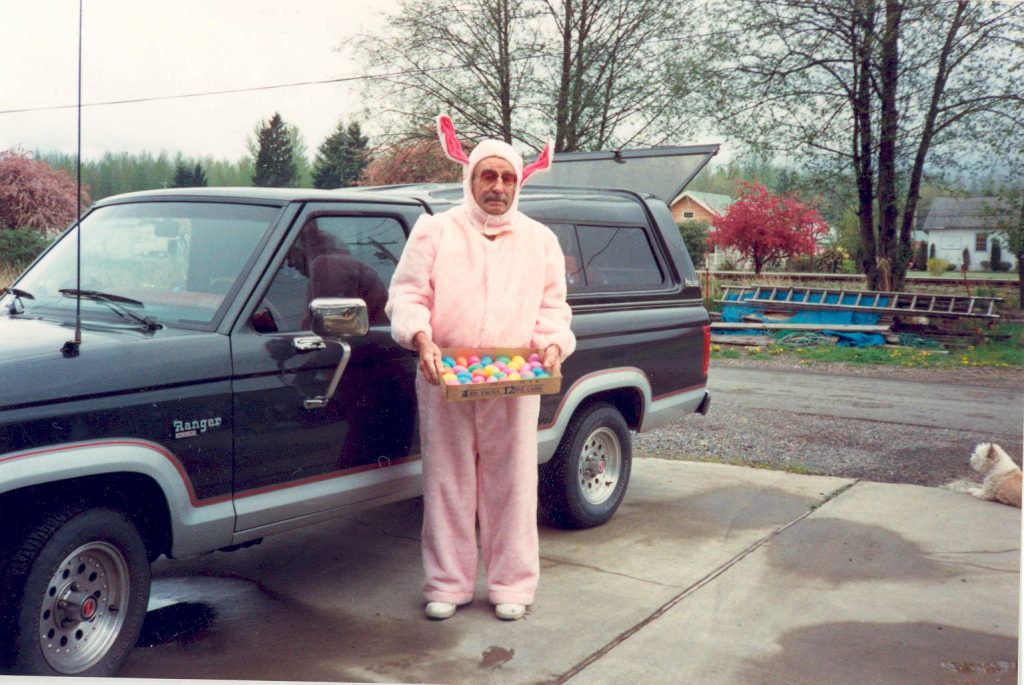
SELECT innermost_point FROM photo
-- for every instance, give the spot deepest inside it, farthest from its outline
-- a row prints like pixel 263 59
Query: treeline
pixel 125 172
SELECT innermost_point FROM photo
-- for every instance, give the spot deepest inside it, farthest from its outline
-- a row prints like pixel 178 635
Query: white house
pixel 955 223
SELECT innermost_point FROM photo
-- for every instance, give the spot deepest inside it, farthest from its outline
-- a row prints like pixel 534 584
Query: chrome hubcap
pixel 83 608
pixel 600 465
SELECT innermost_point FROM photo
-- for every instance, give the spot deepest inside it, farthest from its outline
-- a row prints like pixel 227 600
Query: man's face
pixel 494 185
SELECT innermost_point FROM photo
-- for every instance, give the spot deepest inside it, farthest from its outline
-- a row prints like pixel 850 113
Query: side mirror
pixel 339 317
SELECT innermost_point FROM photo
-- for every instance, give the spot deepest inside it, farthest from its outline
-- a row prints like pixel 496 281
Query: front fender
pixel 197 525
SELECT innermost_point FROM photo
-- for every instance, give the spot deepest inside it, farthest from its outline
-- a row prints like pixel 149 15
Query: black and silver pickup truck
pixel 233 376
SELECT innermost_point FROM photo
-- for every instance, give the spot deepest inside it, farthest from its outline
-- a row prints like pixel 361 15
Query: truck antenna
pixel 70 348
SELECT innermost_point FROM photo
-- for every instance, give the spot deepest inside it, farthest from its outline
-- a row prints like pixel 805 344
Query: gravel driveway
pixel 852 448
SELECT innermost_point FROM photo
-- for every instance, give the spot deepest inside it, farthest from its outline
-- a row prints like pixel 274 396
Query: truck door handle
pixel 309 343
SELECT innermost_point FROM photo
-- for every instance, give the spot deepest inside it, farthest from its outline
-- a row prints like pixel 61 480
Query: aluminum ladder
pixel 913 304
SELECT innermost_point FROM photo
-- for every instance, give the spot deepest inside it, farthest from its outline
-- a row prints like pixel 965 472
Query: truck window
pixel 618 257
pixel 333 256
pixel 571 249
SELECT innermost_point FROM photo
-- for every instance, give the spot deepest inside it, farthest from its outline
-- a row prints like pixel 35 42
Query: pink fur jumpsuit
pixel 480 457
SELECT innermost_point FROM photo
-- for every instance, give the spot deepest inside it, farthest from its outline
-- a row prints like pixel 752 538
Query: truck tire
pixel 584 482
pixel 77 587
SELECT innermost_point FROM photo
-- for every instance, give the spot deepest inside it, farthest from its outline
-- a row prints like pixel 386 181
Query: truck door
pixel 293 459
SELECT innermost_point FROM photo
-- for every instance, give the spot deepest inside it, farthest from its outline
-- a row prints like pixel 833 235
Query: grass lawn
pixel 1000 353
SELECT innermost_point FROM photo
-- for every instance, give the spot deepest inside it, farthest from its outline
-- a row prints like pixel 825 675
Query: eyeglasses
pixel 489 176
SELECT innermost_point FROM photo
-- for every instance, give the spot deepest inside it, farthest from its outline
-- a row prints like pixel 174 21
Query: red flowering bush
pixel 35 195
pixel 764 227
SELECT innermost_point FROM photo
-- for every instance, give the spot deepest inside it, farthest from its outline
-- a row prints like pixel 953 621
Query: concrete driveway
pixel 707 574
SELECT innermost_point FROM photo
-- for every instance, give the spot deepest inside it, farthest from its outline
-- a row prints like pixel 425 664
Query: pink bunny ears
pixel 453 149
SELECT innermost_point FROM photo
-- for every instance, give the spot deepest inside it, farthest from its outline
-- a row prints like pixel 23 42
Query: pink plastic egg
pixel 491 379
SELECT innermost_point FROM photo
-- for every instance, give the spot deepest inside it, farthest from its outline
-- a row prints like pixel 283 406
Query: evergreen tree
pixel 274 162
pixel 997 254
pixel 199 176
pixel 341 158
pixel 182 176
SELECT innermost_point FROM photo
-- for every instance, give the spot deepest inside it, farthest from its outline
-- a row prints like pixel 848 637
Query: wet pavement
pixel 707 574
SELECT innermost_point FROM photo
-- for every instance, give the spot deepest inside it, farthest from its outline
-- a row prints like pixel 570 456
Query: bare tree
pixel 883 88
pixel 602 72
pixel 613 72
pixel 473 59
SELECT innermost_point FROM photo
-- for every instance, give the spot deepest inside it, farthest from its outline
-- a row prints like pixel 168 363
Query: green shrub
pixel 937 267
pixel 920 254
pixel 801 263
pixel 695 235
pixel 20 246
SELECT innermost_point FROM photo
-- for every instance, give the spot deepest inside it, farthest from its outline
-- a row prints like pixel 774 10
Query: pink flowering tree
pixel 35 195
pixel 420 161
pixel 764 227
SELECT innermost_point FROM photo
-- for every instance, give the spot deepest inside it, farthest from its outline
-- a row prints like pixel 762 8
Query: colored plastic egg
pixel 491 379
pixel 534 357
pixel 499 375
pixel 453 381
pixel 473 360
pixel 514 376
pixel 460 369
pixel 474 367
pixel 526 375
pixel 486 361
pixel 461 361
pixel 448 361
pixel 503 359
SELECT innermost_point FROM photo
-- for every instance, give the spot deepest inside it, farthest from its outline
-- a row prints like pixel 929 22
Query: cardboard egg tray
pixel 490 391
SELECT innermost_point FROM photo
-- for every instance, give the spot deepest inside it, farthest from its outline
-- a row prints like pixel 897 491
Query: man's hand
pixel 430 357
pixel 552 360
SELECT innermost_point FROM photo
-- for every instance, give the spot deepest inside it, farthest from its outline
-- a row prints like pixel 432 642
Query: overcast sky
pixel 154 48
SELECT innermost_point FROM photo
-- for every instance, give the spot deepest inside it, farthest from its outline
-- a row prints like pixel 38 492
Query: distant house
pixel 696 206
pixel 955 223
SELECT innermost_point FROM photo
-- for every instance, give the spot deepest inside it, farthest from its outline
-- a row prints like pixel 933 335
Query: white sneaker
pixel 438 611
pixel 510 612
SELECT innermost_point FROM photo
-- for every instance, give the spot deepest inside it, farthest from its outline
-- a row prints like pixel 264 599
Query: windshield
pixel 171 262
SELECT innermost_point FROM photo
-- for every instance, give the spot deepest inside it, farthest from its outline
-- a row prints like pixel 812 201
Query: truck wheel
pixel 586 479
pixel 78 587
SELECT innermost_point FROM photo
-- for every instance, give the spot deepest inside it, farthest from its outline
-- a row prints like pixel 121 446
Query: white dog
pixel 1002 481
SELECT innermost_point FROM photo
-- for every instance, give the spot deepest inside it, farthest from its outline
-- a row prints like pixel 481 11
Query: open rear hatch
pixel 660 171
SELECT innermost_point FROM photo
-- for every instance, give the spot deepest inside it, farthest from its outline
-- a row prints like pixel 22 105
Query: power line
pixel 207 93
pixel 295 84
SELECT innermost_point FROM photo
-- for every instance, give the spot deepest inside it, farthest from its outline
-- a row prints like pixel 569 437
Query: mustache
pixel 503 197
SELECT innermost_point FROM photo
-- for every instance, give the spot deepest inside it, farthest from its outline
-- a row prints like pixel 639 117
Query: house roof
pixel 964 212
pixel 716 203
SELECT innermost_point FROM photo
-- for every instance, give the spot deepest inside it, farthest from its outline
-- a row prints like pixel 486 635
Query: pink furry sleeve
pixel 411 295
pixel 553 320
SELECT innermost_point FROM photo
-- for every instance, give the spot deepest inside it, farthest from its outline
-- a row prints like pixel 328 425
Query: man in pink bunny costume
pixel 481 274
